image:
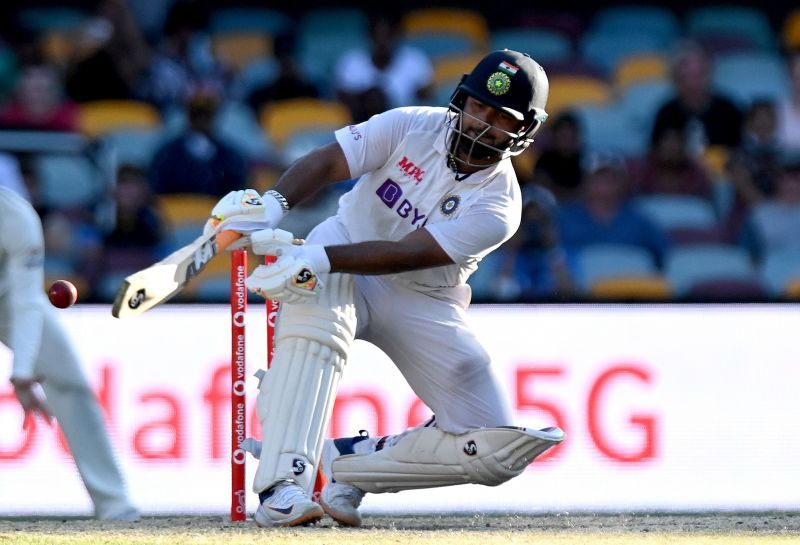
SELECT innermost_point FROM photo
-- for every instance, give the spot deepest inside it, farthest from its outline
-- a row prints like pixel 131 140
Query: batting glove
pixel 245 211
pixel 294 277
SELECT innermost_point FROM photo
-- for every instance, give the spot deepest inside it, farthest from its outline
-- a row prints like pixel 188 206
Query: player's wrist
pixel 275 207
pixel 317 257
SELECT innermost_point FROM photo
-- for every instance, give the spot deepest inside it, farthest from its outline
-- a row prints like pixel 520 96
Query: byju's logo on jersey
pixel 410 169
pixel 390 193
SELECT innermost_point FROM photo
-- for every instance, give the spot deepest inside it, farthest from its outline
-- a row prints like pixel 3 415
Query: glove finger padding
pixel 289 280
pixel 275 242
pixel 241 210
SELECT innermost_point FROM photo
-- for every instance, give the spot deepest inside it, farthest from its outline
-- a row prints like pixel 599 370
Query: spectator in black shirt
pixel 709 118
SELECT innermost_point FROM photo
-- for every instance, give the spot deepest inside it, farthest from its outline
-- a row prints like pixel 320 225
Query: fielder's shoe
pixel 340 500
pixel 286 504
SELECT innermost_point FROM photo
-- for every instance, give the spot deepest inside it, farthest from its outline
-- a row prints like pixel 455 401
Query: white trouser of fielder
pixel 79 416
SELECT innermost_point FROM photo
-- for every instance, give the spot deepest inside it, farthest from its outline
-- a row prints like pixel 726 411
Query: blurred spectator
pixel 669 168
pixel 709 118
pixel 775 222
pixel 289 83
pixel 184 59
pixel 388 76
pixel 197 161
pixel 139 226
pixel 559 166
pixel 755 166
pixel 604 213
pixel 111 55
pixel 789 108
pixel 534 258
pixel 39 103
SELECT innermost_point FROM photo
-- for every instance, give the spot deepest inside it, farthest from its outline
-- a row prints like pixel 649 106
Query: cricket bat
pixel 159 282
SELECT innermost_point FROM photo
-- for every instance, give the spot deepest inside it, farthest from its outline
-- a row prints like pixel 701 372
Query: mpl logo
pixel 410 169
pixel 390 193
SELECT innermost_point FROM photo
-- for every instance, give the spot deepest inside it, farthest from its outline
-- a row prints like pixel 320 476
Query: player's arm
pixel 323 166
pixel 417 250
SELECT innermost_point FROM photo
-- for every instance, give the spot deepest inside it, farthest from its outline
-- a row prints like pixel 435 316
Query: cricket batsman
pixel 436 192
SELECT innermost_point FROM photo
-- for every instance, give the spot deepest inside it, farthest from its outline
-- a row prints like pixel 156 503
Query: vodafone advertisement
pixel 674 408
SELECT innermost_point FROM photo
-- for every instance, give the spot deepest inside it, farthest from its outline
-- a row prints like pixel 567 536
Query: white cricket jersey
pixel 400 158
pixel 22 298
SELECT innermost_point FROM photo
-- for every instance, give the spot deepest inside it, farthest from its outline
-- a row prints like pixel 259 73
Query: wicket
pixel 239 379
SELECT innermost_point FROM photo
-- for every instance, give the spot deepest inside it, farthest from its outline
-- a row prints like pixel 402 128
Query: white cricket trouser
pixel 429 341
pixel 78 414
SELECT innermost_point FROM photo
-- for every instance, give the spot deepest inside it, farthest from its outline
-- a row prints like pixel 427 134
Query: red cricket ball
pixel 62 294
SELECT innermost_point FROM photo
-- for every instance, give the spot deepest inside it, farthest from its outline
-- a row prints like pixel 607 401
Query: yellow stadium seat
pixel 634 287
pixel 100 117
pixel 449 69
pixel 283 118
pixel 790 34
pixel 793 289
pixel 467 22
pixel 238 49
pixel 715 159
pixel 183 208
pixel 639 68
pixel 569 90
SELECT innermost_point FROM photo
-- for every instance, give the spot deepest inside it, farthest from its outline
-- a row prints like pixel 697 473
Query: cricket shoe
pixel 286 504
pixel 340 500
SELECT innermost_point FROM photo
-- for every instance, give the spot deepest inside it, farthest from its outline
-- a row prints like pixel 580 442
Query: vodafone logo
pixel 238 457
pixel 238 319
pixel 238 388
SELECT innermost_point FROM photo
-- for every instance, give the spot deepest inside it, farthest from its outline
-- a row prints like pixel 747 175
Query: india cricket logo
pixel 498 83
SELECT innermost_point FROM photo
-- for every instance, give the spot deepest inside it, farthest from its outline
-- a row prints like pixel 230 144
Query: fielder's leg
pixel 296 399
pixel 79 416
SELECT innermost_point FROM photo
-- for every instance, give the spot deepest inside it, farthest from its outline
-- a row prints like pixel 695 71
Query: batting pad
pixel 296 396
pixel 429 457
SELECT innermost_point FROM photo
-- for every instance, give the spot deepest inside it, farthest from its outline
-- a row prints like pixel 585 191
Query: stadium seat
pixel 253 75
pixel 779 268
pixel 632 288
pixel 265 20
pixel 46 18
pixel 747 76
pixel 607 129
pixel 740 22
pixel 237 125
pixel 672 212
pixel 66 180
pixel 659 21
pixel 237 49
pixel 283 118
pixel 793 290
pixel 100 117
pixel 640 68
pixel 323 35
pixel 689 265
pixel 544 45
pixel 182 208
pixel 302 142
pixel 604 261
pixel 640 101
pixel 790 32
pixel 134 146
pixel 606 50
pixel 571 91
pixel 447 21
pixel 438 46
pixel 449 70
